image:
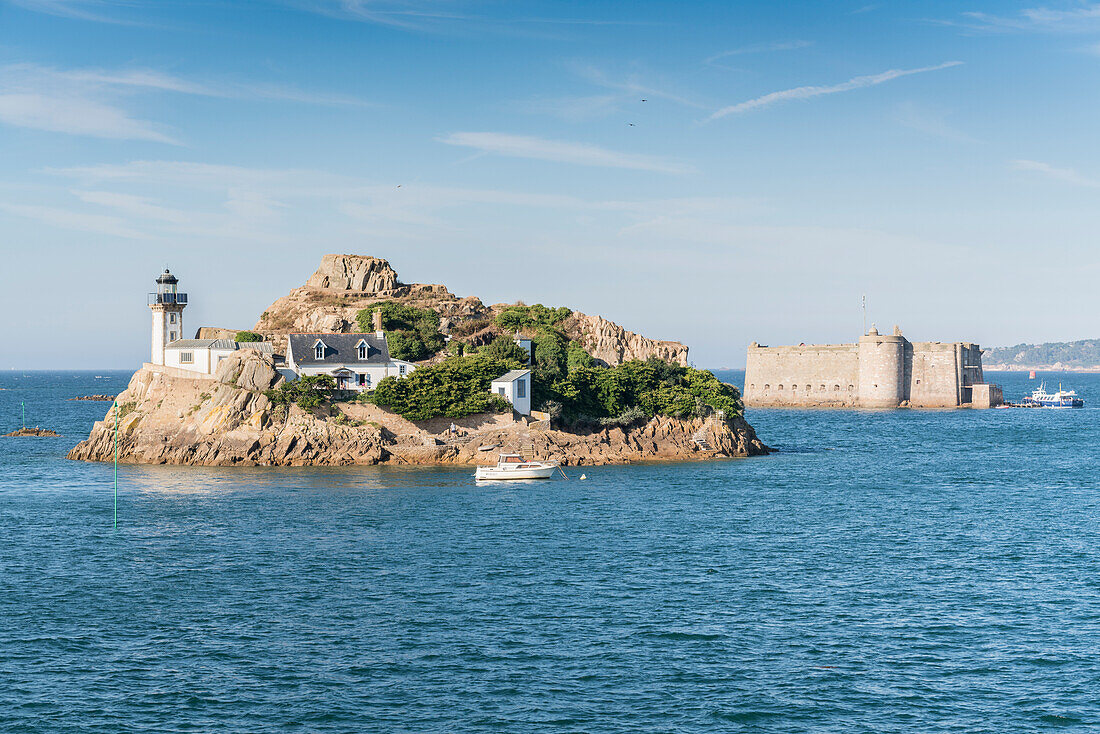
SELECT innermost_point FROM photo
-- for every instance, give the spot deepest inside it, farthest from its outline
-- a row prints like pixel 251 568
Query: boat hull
pixel 1066 403
pixel 492 473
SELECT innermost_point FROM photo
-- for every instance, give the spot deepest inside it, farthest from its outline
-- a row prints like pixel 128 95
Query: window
pixel 171 318
pixel 319 351
pixel 362 351
pixel 836 388
pixel 187 357
pixel 780 387
pixel 401 370
pixel 363 380
pixel 171 336
pixel 501 391
pixel 521 389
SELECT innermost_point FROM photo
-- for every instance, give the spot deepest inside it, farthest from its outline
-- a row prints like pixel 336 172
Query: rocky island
pixel 32 432
pixel 603 394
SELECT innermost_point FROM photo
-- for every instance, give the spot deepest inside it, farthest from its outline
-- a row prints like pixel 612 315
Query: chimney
pixel 376 317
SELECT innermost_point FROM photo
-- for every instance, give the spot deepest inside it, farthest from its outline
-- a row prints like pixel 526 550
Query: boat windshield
pixel 512 459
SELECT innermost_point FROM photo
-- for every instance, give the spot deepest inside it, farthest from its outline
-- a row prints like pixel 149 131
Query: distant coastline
pixel 1041 368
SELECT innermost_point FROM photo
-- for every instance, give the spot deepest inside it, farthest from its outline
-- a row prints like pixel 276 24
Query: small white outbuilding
pixel 515 387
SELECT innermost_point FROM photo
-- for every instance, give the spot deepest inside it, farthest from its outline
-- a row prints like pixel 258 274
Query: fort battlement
pixel 879 371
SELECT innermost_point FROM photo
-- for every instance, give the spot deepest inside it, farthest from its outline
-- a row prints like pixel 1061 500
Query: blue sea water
pixel 928 571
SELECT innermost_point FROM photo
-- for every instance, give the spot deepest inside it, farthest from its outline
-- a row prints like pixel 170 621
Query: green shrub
pixel 576 357
pixel 248 336
pixel 306 392
pixel 456 387
pixel 614 395
pixel 505 348
pixel 412 333
pixel 528 317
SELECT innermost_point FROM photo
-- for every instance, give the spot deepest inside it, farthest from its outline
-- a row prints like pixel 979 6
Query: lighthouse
pixel 167 305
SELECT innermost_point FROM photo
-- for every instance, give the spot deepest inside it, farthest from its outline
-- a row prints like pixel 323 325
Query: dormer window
pixel 362 350
pixel 319 350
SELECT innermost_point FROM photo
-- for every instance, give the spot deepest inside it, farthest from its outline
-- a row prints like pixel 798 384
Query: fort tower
pixel 881 369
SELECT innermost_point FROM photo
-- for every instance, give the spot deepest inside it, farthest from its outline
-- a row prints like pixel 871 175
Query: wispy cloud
pixel 1082 17
pixel 179 201
pixel 74 220
pixel 100 11
pixel 809 92
pixel 757 48
pixel 90 102
pixel 929 121
pixel 1066 175
pixel 522 146
pixel 77 116
pixel 624 91
pixel 31 77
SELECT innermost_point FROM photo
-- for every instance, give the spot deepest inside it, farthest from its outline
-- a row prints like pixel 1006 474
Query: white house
pixel 204 355
pixel 357 361
pixel 515 387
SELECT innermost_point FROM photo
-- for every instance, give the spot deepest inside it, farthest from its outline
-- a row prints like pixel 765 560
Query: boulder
pixel 248 370
pixel 354 273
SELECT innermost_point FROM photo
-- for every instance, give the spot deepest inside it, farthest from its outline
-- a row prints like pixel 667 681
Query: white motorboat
pixel 514 466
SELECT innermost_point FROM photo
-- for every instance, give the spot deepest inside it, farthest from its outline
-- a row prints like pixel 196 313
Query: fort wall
pixel 820 375
pixel 880 371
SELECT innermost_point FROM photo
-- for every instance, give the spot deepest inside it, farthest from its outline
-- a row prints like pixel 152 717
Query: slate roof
pixel 340 349
pixel 264 347
pixel 512 376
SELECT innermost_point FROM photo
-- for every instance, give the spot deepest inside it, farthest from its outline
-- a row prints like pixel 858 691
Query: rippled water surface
pixel 924 571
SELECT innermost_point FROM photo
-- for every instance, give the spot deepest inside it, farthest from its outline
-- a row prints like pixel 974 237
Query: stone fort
pixel 881 371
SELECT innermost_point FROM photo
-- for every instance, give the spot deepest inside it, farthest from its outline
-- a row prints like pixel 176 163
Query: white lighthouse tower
pixel 167 305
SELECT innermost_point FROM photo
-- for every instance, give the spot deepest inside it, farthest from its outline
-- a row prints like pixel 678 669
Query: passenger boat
pixel 1040 398
pixel 514 466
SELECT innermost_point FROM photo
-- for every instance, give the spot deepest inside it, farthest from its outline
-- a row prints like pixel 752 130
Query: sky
pixel 711 172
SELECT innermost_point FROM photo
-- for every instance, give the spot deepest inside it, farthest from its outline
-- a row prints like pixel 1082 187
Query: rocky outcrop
pixel 345 284
pixel 226 421
pixel 215 332
pixel 612 344
pixel 96 398
pixel 165 419
pixel 354 273
pixel 32 432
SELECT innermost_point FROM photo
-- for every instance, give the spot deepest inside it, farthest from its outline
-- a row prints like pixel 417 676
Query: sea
pixel 883 571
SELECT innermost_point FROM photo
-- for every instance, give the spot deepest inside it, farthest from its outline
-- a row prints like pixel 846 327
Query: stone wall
pixel 820 375
pixel 881 371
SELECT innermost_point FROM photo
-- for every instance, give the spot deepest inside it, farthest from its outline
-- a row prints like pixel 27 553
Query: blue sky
pixel 787 158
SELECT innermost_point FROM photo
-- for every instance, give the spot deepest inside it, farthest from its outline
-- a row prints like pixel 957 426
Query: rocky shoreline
pixel 228 421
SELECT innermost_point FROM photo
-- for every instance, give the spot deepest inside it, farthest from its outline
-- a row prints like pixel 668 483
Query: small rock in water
pixel 101 398
pixel 36 431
